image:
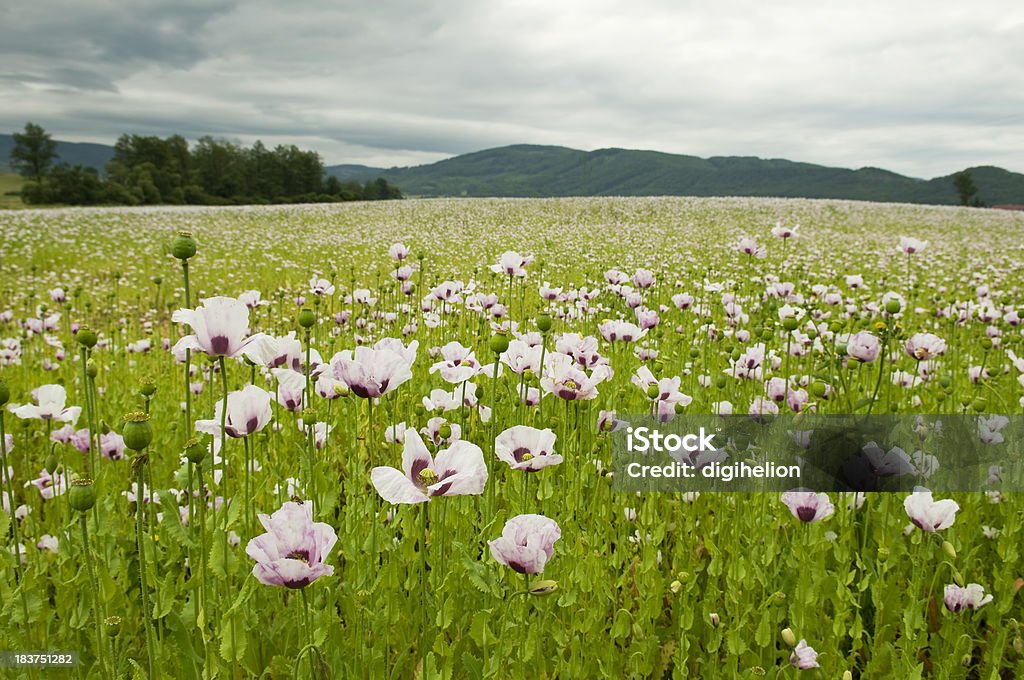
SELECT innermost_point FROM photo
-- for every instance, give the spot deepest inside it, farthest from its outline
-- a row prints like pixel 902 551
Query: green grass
pixel 9 182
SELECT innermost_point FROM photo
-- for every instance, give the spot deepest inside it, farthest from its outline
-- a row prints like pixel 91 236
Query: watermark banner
pixel 819 453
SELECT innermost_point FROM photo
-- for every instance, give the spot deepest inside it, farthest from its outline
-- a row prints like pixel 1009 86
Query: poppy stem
pixel 423 587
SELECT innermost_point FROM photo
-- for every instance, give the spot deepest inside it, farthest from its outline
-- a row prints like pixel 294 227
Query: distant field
pixel 10 182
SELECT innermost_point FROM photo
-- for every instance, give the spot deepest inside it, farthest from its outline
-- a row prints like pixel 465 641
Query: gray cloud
pixel 923 88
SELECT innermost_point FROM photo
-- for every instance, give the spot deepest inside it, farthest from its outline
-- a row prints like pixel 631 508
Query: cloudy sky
pixel 924 88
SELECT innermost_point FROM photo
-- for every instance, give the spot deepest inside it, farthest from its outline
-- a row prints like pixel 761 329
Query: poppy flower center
pixel 301 555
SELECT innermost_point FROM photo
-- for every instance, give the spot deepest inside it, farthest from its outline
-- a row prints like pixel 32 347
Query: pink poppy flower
pixel 220 328
pixel 808 506
pixel 864 346
pixel 972 597
pixel 527 543
pixel 248 412
pixel 803 656
pixel 456 471
pixel 49 404
pixel 527 448
pixel 293 550
pixel 373 372
pixel 930 515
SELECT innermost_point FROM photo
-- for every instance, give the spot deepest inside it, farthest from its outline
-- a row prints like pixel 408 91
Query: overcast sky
pixel 924 88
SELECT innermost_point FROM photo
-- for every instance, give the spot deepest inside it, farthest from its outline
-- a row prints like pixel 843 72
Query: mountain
pixel 530 170
pixel 72 153
pixel 533 171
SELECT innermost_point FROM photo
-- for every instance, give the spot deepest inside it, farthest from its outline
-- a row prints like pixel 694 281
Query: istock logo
pixel 644 439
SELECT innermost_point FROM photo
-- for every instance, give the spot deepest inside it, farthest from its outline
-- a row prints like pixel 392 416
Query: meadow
pixel 374 440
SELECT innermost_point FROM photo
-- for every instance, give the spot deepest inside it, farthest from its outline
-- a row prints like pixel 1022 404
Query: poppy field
pixel 375 440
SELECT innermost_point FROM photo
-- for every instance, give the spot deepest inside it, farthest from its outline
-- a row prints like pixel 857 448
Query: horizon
pixel 922 88
pixel 329 164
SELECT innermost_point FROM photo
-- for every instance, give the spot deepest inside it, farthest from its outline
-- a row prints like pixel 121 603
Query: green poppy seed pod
pixel 789 637
pixel 307 317
pixel 183 246
pixel 5 392
pixel 51 462
pixel 86 336
pixel 653 392
pixel 195 451
pixel 758 330
pixel 91 369
pixel 818 389
pixel 137 432
pixel 893 306
pixel 148 388
pixel 736 354
pixel 528 375
pixel 940 397
pixel 158 280
pixel 82 495
pixel 694 352
pixel 790 323
pixel 544 323
pixel 978 404
pixel 112 624
pixel 948 548
pixel 945 381
pixel 720 382
pixel 498 343
pixel 419 409
pixel 840 348
pixel 986 343
pixel 445 431
pixel 545 587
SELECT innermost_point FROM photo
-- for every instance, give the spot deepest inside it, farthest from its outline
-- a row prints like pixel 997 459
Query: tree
pixel 34 153
pixel 965 186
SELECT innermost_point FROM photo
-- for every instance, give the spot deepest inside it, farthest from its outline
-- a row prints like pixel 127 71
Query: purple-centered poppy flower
pixel 910 245
pixel 803 656
pixel 371 372
pixel 972 597
pixel 527 448
pixel 398 251
pixel 930 515
pixel 456 471
pixel 864 346
pixel 49 405
pixel 293 550
pixel 248 412
pixel 561 377
pixel 512 263
pixel 527 543
pixel 220 328
pixel 925 346
pixel 808 506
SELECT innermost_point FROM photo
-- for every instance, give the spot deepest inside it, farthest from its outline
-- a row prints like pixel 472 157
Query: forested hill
pixel 528 170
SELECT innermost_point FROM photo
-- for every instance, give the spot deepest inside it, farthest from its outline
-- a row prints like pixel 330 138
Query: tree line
pixel 149 170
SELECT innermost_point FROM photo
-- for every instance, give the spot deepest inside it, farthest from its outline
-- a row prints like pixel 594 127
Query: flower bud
pixel 715 620
pixel 675 586
pixel 183 246
pixel 91 369
pixel 307 317
pixel 789 637
pixel 5 392
pixel 137 432
pixel 498 343
pixel 847 675
pixel 948 548
pixel 195 451
pixel 720 382
pixel 545 587
pixel 51 462
pixel 82 495
pixel 86 336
